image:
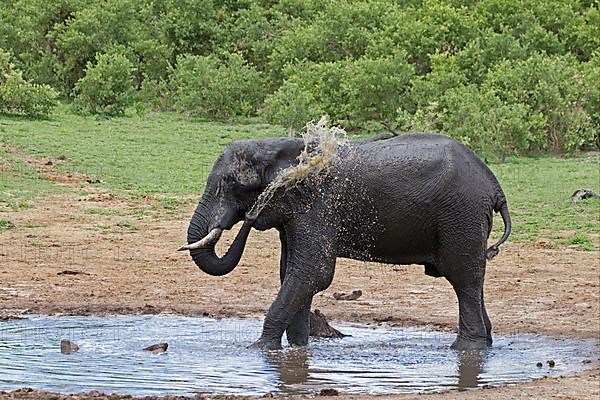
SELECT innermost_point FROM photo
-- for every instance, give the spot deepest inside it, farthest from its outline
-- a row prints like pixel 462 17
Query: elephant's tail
pixel 502 207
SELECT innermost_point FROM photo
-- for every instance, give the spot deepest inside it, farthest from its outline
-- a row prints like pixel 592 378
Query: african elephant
pixel 417 198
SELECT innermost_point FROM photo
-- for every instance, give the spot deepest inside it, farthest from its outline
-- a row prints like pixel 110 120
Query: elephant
pixel 415 198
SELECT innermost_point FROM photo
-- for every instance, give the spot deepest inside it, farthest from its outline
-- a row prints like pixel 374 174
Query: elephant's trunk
pixel 205 257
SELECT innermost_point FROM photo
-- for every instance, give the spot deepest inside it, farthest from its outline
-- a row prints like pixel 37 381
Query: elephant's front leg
pixel 298 329
pixel 309 270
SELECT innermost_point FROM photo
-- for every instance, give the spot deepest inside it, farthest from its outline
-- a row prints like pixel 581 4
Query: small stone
pixel 268 395
pixel 587 361
pixel 328 392
pixel 68 347
pixel 539 365
pixel 348 296
pixel 157 348
pixel 551 363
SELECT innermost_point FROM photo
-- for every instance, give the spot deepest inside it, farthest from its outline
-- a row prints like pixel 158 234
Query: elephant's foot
pixel 297 334
pixel 463 343
pixel 297 340
pixel 266 344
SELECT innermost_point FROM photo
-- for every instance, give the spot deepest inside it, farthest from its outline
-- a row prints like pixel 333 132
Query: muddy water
pixel 210 356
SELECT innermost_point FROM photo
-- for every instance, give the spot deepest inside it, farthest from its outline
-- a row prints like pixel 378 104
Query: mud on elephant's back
pixel 319 327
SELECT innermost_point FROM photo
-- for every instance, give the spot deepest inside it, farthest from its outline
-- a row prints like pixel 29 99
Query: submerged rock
pixel 319 327
pixel 328 392
pixel 68 347
pixel 157 348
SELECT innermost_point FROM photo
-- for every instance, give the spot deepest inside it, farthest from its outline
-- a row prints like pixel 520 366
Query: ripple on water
pixel 211 356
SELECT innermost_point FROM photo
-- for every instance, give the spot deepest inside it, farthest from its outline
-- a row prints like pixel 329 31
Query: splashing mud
pixel 321 150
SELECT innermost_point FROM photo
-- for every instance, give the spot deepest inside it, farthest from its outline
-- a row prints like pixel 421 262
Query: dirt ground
pixel 105 254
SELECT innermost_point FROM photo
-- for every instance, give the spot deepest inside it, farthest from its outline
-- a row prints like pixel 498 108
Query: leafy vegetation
pixel 18 96
pixel 210 88
pixel 107 87
pixel 509 77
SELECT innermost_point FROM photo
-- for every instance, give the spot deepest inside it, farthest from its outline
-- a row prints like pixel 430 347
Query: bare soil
pixel 109 254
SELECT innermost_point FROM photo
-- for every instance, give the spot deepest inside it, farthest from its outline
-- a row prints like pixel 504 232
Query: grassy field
pixel 171 155
pixel 154 153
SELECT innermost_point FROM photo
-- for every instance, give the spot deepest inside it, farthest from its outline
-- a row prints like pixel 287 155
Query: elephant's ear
pixel 281 154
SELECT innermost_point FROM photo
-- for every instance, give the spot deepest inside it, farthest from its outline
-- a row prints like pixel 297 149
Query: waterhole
pixel 211 356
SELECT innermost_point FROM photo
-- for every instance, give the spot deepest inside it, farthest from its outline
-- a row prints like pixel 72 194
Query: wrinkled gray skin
pixel 413 199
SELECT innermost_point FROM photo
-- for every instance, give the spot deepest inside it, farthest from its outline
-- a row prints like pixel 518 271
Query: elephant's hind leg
pixel 474 326
pixel 472 332
pixel 486 320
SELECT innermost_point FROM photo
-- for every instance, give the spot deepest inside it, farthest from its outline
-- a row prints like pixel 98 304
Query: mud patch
pixel 202 351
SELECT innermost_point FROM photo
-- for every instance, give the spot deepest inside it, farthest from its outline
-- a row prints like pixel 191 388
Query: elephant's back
pixel 422 157
pixel 425 174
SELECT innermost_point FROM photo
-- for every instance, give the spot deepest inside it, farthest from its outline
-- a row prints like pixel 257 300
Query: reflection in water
pixel 291 365
pixel 470 366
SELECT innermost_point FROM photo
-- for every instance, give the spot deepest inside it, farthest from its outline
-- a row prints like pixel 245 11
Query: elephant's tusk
pixel 208 240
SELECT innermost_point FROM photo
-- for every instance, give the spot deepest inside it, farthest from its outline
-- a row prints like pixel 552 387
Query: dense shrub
pixel 208 87
pixel 355 91
pixel 291 107
pixel 107 87
pixel 361 61
pixel 553 86
pixel 18 96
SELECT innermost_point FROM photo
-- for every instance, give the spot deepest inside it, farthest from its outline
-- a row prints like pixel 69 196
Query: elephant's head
pixel 238 177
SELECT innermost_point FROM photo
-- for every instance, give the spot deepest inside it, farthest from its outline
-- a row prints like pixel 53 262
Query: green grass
pixel 20 183
pixel 582 241
pixel 6 225
pixel 171 155
pixel 539 193
pixel 154 153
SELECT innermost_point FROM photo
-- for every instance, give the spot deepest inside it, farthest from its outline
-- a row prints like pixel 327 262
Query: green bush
pixel 215 89
pixel 483 121
pixel 355 91
pixel 378 87
pixel 107 87
pixel 553 86
pixel 291 107
pixel 480 119
pixel 17 96
pixel 532 61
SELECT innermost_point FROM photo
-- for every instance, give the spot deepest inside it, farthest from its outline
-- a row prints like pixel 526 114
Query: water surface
pixel 210 356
